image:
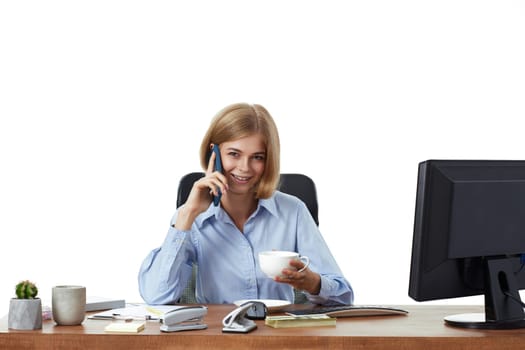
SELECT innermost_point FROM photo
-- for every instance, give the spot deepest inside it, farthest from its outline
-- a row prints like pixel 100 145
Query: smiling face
pixel 235 124
pixel 243 163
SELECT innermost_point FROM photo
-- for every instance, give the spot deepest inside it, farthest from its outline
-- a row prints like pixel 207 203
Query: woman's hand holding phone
pixel 212 185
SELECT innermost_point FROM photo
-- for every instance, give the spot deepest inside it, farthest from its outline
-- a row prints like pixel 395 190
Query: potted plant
pixel 25 311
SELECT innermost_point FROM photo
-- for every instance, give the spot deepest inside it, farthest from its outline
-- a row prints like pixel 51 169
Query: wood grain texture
pixel 423 328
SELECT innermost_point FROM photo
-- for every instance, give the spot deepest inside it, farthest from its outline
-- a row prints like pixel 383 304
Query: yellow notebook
pixel 125 327
pixel 299 321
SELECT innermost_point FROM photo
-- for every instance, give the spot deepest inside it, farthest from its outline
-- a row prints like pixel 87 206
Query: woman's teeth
pixel 241 178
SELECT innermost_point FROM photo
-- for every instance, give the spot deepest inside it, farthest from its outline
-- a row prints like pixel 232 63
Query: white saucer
pixel 271 304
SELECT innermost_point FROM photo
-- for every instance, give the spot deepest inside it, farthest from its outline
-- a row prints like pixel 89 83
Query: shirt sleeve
pixel 166 270
pixel 335 289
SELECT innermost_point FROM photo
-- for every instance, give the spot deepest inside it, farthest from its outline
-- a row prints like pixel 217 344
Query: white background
pixel 103 105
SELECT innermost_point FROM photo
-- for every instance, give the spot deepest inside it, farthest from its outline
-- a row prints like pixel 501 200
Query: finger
pixel 298 264
pixel 214 187
pixel 284 279
pixel 290 280
pixel 218 182
pixel 222 181
pixel 292 275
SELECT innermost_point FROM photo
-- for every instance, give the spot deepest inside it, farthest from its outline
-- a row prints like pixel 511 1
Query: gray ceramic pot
pixel 25 314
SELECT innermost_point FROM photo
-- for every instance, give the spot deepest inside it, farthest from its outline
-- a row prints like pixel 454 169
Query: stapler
pixel 184 318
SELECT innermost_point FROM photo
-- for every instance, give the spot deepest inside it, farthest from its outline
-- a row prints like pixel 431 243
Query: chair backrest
pixel 298 185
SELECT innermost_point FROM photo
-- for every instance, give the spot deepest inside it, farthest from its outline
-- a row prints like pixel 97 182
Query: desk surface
pixel 423 328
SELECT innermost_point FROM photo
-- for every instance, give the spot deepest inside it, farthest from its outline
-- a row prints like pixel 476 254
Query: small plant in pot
pixel 25 311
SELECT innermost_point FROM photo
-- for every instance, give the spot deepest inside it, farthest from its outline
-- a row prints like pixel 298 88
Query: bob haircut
pixel 240 120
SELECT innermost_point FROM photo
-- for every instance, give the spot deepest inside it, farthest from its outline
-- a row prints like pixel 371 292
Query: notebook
pixel 94 303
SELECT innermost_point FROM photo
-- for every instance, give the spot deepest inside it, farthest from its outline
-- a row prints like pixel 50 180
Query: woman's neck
pixel 239 208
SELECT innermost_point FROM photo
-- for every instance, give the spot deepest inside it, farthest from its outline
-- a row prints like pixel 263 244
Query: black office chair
pixel 298 185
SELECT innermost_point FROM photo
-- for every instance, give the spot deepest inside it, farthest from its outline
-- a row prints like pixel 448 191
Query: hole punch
pixel 240 319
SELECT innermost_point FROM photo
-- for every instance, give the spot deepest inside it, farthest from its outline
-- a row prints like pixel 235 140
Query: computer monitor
pixel 469 238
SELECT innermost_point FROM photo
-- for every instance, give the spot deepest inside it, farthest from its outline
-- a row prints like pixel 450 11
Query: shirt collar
pixel 211 211
pixel 268 204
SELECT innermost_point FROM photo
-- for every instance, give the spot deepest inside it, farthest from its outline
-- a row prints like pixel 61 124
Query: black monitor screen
pixel 469 235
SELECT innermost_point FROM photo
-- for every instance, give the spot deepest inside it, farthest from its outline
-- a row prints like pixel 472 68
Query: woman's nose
pixel 244 163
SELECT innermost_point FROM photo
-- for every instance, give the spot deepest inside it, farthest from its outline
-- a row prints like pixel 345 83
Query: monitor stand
pixel 503 306
pixel 478 321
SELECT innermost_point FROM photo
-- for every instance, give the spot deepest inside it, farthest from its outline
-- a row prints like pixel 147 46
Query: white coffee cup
pixel 68 304
pixel 273 262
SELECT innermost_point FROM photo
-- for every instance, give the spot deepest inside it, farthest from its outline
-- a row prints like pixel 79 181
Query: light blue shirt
pixel 228 267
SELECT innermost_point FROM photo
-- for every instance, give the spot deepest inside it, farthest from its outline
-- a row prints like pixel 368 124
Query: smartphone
pixel 217 167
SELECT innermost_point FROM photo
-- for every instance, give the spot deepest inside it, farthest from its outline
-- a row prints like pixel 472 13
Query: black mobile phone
pixel 217 167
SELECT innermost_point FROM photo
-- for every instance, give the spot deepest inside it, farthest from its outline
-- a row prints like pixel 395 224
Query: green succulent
pixel 26 290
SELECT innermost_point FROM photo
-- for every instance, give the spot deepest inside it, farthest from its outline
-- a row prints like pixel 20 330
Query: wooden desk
pixel 423 328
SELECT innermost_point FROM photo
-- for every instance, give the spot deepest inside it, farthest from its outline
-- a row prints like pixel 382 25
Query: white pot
pixel 25 314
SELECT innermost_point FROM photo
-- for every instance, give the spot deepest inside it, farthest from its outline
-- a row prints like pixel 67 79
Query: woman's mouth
pixel 241 179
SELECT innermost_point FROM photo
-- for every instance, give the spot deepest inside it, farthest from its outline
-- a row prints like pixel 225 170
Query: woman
pixel 252 217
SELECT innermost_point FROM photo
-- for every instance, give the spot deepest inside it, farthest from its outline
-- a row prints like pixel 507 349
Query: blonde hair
pixel 240 120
